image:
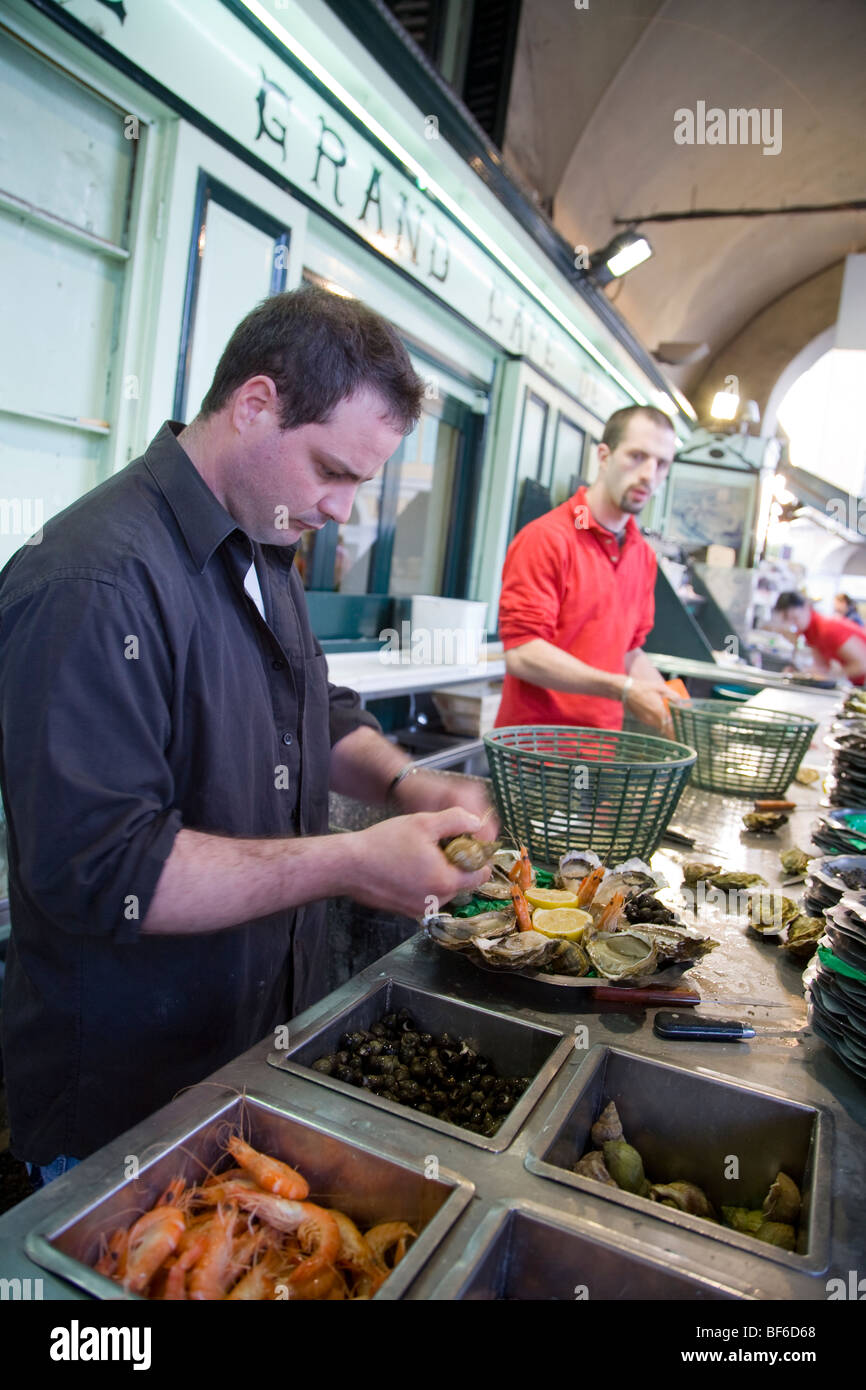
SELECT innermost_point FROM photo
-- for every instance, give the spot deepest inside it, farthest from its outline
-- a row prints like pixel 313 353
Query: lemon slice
pixel 550 897
pixel 561 923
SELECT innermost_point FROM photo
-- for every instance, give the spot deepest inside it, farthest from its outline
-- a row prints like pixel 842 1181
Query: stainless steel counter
pixel 746 977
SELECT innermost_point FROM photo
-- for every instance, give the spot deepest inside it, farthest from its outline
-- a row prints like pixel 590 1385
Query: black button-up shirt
pixel 142 691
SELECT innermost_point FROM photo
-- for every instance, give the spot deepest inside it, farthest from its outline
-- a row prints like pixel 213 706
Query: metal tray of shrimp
pixel 370 1186
pixel 516 1048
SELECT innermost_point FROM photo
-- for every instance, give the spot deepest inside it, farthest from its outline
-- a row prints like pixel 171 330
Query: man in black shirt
pixel 169 737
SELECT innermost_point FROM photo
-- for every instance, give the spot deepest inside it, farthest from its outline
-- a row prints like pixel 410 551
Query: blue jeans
pixel 40 1177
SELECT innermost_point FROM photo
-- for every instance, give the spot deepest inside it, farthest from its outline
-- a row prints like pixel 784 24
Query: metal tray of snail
pixel 617 930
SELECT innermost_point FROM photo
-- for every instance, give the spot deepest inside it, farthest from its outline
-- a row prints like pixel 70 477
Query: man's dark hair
pixel 790 599
pixel 318 348
pixel 617 425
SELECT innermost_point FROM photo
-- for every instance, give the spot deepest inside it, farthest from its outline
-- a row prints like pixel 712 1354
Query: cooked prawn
pixel 315 1227
pixel 110 1260
pixel 611 913
pixel 589 886
pixel 212 1274
pixel 382 1237
pixel 521 873
pixel 269 1173
pixel 154 1237
pixel 521 908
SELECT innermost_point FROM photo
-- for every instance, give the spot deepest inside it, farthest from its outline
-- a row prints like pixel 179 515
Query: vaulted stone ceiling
pixel 591 129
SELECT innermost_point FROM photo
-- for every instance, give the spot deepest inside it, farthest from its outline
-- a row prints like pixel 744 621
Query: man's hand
pixel 398 865
pixel 430 791
pixel 644 700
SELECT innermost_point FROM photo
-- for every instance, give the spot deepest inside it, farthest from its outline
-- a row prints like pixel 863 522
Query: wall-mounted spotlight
pixel 725 405
pixel 628 249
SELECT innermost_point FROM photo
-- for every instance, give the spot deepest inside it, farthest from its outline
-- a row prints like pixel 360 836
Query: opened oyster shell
pixel 496 888
pixel 629 878
pixel 675 944
pixel 574 866
pixel 569 958
pixel 467 853
pixel 625 955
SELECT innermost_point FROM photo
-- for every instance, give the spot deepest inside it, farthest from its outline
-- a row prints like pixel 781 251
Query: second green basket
pixel 751 752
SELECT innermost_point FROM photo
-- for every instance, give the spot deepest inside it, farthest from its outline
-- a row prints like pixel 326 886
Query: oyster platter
pixel 592 926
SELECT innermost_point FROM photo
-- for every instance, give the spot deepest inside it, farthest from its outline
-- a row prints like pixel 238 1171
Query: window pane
pixel 423 508
pixel 532 437
pixel 566 464
pixel 356 539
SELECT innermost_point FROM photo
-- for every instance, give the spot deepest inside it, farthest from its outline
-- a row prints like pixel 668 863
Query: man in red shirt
pixel 834 639
pixel 578 592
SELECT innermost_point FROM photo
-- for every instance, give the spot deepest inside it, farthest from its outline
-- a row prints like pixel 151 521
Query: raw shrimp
pixel 269 1173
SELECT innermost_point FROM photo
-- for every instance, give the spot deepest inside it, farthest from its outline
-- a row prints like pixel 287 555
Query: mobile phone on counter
pixel 690 1028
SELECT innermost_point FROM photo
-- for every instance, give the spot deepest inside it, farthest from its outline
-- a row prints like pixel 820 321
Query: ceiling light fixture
pixel 627 250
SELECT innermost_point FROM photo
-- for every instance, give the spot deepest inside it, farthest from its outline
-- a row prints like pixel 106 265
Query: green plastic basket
pixel 752 752
pixel 558 788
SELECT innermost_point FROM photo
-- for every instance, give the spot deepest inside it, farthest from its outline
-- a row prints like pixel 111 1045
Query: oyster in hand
pixel 592 1165
pixel 782 1202
pixel 467 853
pixel 608 1126
pixel 624 955
pixel 685 1196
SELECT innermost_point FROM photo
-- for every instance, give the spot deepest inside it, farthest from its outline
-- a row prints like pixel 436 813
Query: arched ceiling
pixel 591 129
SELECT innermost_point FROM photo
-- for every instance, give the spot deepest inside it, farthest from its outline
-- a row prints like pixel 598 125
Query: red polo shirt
pixel 827 635
pixel 568 580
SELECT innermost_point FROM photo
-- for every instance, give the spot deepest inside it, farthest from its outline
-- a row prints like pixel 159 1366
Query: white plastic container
pixel 446 631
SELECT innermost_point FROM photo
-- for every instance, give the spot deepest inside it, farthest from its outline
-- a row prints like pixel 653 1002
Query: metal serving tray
pixel 516 1048
pixel 352 1176
pixel 522 1250
pixel 696 1126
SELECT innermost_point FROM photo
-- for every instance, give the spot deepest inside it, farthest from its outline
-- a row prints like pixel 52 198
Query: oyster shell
pixel 782 1202
pixel 676 944
pixel 523 950
pixel 737 880
pixel 685 1196
pixel 592 1165
pixel 569 958
pixel 795 861
pixel 496 889
pixel 607 1127
pixel 461 933
pixel 629 878
pixel 696 872
pixel 770 913
pixel 625 955
pixel 574 866
pixel 765 822
pixel 804 933
pixel 625 1165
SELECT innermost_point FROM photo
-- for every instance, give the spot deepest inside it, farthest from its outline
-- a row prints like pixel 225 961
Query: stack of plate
pixel 836 996
pixel 847 743
pixel 841 831
pixel 829 879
